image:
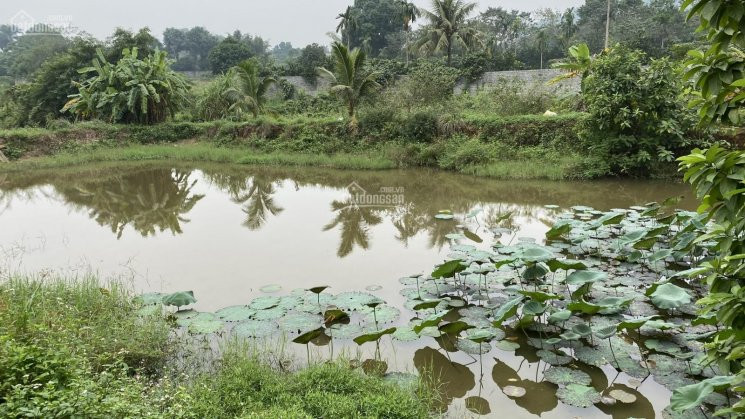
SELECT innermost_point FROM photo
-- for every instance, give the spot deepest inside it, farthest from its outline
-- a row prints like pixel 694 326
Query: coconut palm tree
pixel 409 13
pixel 541 42
pixel 249 94
pixel 348 23
pixel 448 27
pixel 349 80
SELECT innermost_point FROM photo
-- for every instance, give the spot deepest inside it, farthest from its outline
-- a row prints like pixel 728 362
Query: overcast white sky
pixel 297 21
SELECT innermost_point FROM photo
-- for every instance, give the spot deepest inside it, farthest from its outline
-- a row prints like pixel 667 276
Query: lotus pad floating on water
pixel 514 391
pixel 354 301
pixel 255 328
pixel 235 313
pixel 578 395
pixel 383 314
pixel 150 298
pixel 271 288
pixel 203 326
pixel 563 376
pixel 265 302
pixel 300 322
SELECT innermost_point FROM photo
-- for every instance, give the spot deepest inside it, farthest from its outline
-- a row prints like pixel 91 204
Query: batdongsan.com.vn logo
pixel 385 196
pixel 24 23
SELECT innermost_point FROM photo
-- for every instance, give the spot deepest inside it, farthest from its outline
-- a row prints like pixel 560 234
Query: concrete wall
pixel 530 78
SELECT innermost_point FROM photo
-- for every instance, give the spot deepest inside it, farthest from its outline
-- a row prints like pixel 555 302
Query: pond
pixel 231 234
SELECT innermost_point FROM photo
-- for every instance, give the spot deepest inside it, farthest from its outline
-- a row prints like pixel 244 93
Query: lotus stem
pixel 614 354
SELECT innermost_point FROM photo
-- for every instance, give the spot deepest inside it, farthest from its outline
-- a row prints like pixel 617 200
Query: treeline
pixel 387 29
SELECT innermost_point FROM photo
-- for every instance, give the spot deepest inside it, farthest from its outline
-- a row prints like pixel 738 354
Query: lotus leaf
pixel 578 395
pixel 235 313
pixel 669 296
pixel 372 337
pixel 563 376
pixel 179 299
pixel 255 328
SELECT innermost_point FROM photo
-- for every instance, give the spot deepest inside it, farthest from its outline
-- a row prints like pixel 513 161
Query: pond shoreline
pixel 510 148
pixel 197 152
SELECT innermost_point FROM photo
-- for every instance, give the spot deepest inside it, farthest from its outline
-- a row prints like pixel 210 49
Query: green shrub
pixel 243 385
pixel 637 119
pixel 427 84
pixel 211 103
pixel 377 121
pixel 420 126
pixel 529 130
pixel 508 97
pixel 461 152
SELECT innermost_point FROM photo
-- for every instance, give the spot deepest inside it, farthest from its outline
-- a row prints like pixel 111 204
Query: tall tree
pixel 376 21
pixel 448 27
pixel 347 24
pixel 567 28
pixel 409 13
pixel 7 34
pixel 349 80
pixel 541 42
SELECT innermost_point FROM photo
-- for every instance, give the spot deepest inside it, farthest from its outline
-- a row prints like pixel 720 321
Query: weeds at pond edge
pixel 78 347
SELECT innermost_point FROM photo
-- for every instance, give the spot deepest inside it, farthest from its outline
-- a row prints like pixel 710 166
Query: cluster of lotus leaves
pixel 607 289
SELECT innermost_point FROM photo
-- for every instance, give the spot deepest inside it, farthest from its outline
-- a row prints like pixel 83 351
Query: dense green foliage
pixel 718 178
pixel 227 54
pixel 718 72
pixel 133 90
pixel 637 117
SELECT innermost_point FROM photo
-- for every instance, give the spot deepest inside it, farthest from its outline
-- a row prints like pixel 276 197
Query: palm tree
pixel 250 93
pixel 448 26
pixel 347 24
pixel 567 27
pixel 409 13
pixel 350 82
pixel 541 42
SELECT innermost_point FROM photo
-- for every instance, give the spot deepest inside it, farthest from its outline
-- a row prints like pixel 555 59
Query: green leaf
pixel 448 269
pixel 669 296
pixel 179 299
pixel 372 337
pixel 307 337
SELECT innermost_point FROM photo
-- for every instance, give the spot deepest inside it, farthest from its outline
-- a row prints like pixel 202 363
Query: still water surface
pixel 226 231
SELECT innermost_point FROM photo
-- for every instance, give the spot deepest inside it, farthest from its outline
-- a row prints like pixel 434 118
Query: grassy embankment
pixel 80 349
pixel 523 147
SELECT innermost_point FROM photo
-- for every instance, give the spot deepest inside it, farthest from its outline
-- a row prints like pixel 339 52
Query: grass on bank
pixel 552 168
pixel 78 348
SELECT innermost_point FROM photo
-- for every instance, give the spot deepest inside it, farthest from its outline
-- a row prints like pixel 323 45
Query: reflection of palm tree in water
pixel 148 201
pixel 409 222
pixel 354 221
pixel 259 202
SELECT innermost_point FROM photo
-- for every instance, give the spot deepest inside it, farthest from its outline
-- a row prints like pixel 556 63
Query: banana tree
pixel 134 90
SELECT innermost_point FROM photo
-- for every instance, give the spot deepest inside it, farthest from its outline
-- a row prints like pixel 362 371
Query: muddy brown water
pixel 225 231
